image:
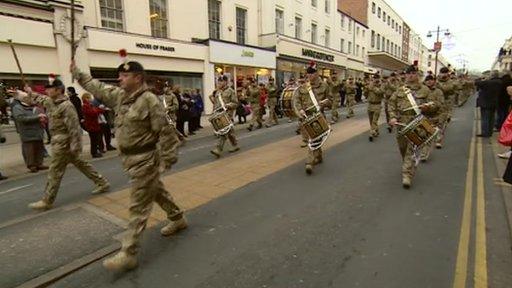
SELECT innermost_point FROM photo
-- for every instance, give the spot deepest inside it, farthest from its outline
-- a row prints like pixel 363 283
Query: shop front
pixel 179 63
pixel 294 56
pixel 238 63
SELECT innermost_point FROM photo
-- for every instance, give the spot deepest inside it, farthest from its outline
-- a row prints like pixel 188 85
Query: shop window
pixel 158 18
pixel 214 18
pixel 298 27
pixel 279 21
pixel 112 14
pixel 313 33
pixel 241 25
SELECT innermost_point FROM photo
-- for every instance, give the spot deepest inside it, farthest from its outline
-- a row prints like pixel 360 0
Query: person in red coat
pixel 92 124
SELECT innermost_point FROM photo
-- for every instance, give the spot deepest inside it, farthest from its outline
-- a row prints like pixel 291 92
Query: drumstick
pixel 418 106
pixel 17 62
pixel 73 48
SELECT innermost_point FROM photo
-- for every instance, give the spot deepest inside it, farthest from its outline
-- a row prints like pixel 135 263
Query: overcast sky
pixel 479 28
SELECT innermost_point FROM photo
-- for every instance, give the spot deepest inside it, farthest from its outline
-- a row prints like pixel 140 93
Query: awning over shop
pixel 386 61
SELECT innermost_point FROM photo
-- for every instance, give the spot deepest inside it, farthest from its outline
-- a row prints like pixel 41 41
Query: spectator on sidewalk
pixel 30 121
pixel 503 101
pixel 91 124
pixel 105 120
pixel 4 118
pixel 197 109
pixel 487 101
pixel 243 108
pixel 73 97
pixel 183 111
pixel 2 140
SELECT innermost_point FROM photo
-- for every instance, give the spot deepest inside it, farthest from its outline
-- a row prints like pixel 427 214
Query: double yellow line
pixel 461 267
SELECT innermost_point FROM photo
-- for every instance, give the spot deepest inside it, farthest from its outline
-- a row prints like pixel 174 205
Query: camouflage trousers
pixel 373 116
pixel 61 159
pixel 449 107
pixel 408 161
pixel 146 188
pixel 334 110
pixel 351 101
pixel 169 143
pixel 314 156
pixel 256 116
pixel 386 111
pixel 442 124
pixel 229 136
pixel 272 116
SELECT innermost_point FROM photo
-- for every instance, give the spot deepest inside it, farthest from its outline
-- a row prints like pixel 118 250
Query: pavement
pixel 257 220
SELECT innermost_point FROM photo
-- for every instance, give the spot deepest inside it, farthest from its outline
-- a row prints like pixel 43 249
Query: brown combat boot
pixel 40 205
pixel 174 226
pixel 122 261
pixel 406 182
pixel 234 149
pixel 309 169
pixel 216 152
pixel 101 188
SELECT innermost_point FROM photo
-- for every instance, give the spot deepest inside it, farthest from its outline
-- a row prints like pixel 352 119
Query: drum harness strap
pixel 414 105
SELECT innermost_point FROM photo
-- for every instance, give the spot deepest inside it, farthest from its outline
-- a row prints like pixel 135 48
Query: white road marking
pixel 15 189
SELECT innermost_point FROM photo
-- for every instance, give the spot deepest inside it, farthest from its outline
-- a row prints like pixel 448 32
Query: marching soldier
pixel 253 97
pixel 140 122
pixel 430 82
pixel 350 92
pixel 449 89
pixel 400 112
pixel 335 87
pixel 304 107
pixel 66 145
pixel 390 87
pixel 226 95
pixel 375 95
pixel 272 102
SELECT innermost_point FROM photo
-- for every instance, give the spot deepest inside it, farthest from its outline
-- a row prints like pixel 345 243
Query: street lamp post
pixel 438 30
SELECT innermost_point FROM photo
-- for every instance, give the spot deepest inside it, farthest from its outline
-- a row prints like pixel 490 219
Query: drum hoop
pixel 413 124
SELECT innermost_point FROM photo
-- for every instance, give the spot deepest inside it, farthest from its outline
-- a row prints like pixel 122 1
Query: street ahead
pixel 350 224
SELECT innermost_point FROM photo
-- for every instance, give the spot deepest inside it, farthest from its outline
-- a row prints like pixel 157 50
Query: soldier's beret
pixel 411 69
pixel 430 77
pixel 222 78
pixel 311 68
pixel 444 70
pixel 130 67
pixel 57 83
pixel 393 74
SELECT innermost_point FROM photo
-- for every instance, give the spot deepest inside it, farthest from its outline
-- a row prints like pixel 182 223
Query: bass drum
pixel 419 131
pixel 286 101
pixel 317 129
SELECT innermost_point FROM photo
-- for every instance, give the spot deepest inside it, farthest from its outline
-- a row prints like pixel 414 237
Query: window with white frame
pixel 349 25
pixel 158 18
pixel 400 30
pixel 384 16
pixel 313 3
pixel 387 45
pixel 383 46
pixel 327 6
pixel 298 27
pixel 378 41
pixel 342 21
pixel 378 12
pixel 349 47
pixel 357 49
pixel 314 33
pixel 214 19
pixel 327 38
pixel 364 33
pixel 389 20
pixel 363 52
pixel 112 14
pixel 342 45
pixel 279 21
pixel 357 30
pixel 241 25
pixel 373 7
pixel 393 24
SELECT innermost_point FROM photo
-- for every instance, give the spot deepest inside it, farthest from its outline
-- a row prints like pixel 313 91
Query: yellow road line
pixel 480 245
pixel 461 266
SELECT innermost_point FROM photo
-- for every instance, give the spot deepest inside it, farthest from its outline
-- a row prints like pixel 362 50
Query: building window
pixel 383 46
pixel 389 20
pixel 158 18
pixel 327 38
pixel 357 50
pixel 349 25
pixel 357 30
pixel 327 6
pixel 387 45
pixel 313 33
pixel 298 27
pixel 349 47
pixel 400 30
pixel 384 16
pixel 373 39
pixel 214 18
pixel 112 14
pixel 363 52
pixel 364 33
pixel 429 63
pixel 393 24
pixel 241 25
pixel 342 45
pixel 373 7
pixel 399 51
pixel 342 21
pixel 279 21
pixel 378 41
pixel 313 3
pixel 378 12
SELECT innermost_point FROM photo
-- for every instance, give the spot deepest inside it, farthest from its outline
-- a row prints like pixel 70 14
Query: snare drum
pixel 221 122
pixel 286 101
pixel 419 131
pixel 317 129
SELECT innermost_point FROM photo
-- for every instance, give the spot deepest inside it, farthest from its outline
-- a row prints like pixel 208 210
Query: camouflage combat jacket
pixel 64 125
pixel 350 89
pixel 173 104
pixel 253 95
pixel 228 96
pixel 399 105
pixel 448 88
pixel 375 94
